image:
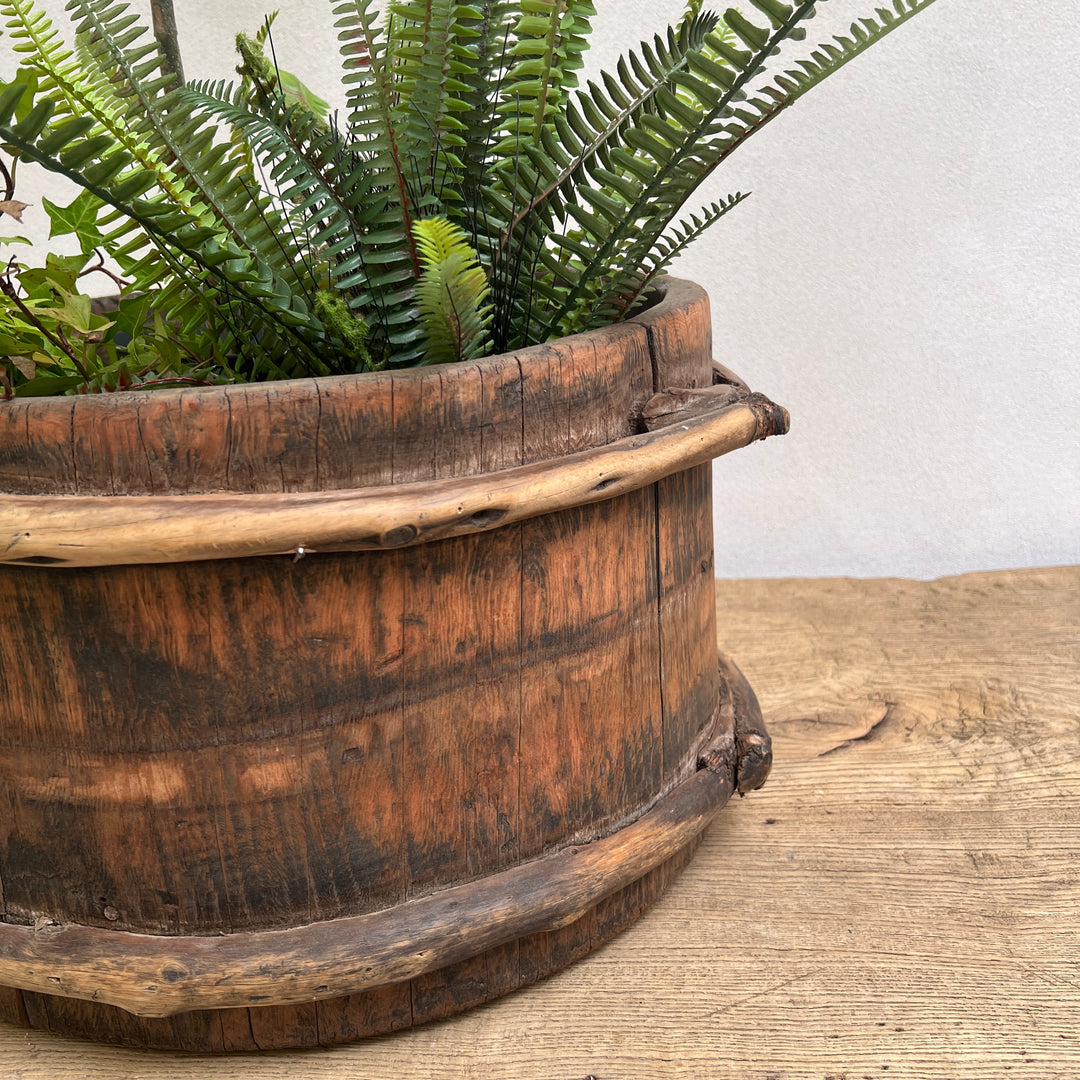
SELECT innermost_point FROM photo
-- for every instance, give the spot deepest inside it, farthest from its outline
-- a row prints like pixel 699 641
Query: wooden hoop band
pixel 78 530
pixel 162 976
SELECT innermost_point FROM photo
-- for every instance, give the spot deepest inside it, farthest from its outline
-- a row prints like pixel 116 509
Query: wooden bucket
pixel 334 706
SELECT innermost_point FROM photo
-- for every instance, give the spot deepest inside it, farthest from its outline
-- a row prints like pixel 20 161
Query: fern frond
pixel 374 120
pixel 584 137
pixel 550 39
pixel 117 46
pixel 767 99
pixel 481 62
pixel 451 294
pixel 192 248
pixel 82 92
pixel 343 219
pixel 113 44
pixel 829 58
pixel 718 108
pixel 667 144
pixel 422 43
pixel 630 283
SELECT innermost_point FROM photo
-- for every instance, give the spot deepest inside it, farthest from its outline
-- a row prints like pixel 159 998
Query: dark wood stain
pixel 250 744
pixel 341 1020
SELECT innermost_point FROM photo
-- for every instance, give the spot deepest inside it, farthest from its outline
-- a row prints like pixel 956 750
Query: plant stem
pixel 165 32
pixel 9 181
pixel 100 267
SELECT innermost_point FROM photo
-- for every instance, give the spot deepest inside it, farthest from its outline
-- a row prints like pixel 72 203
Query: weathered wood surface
pixel 353 431
pixel 160 976
pixel 677 406
pixel 235 749
pixel 364 462
pixel 904 892
pixel 72 530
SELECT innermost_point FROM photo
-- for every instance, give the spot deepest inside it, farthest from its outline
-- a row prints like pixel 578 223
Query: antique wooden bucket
pixel 334 706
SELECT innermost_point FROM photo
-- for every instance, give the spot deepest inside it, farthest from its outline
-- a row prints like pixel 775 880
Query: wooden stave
pixel 441 993
pixel 695 365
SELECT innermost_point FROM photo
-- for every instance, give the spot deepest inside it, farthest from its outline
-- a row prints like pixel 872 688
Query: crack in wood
pixel 869 734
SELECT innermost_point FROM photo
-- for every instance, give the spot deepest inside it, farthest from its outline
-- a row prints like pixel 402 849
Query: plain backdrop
pixel 905 279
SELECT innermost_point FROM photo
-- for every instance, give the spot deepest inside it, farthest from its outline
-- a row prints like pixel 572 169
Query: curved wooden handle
pixel 78 530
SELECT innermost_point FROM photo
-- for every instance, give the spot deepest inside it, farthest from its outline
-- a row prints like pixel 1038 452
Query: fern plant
pixel 473 196
pixel 451 293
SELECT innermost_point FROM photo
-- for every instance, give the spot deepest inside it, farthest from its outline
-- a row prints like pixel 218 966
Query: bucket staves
pixel 432 765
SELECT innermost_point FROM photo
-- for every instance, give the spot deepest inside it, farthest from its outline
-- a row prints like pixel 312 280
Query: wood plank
pixel 14 466
pixel 145 444
pixel 50 456
pixel 478 980
pixel 690 678
pixel 584 392
pixel 193 1032
pixel 581 659
pixel 270 442
pixel 591 748
pixel 44 463
pixel 680 337
pixel 901 895
pixel 462 708
pixel 279 1027
pixel 152 778
pixel 12 1007
pixel 354 443
pixel 357 1016
pixel 461 633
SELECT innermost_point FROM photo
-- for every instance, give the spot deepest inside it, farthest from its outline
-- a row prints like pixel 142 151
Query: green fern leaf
pixel 422 43
pixel 451 294
pixel 731 104
pixel 343 218
pixel 550 39
pixel 592 122
pixel 374 119
pixel 629 284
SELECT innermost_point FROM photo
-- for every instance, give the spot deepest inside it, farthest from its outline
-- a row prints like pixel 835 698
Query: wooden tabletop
pixel 901 901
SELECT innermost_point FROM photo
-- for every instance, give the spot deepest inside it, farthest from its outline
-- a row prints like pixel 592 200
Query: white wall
pixel 905 279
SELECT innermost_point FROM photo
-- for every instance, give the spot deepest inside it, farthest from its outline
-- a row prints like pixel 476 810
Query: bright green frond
pixel 451 294
pixel 474 196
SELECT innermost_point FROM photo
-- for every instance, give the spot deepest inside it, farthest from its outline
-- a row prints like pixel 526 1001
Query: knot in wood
pixel 772 419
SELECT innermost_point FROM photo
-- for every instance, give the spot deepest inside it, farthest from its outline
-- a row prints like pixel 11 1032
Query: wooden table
pixel 901 900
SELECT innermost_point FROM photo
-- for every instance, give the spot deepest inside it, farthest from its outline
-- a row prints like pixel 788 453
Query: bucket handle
pixel 117 530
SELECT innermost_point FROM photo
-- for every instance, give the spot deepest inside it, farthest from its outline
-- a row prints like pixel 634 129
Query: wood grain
pixel 163 975
pixel 362 462
pixel 74 530
pixel 198 756
pixel 681 351
pixel 169 783
pixel 690 682
pixel 903 893
pixel 606 581
pixel 337 433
